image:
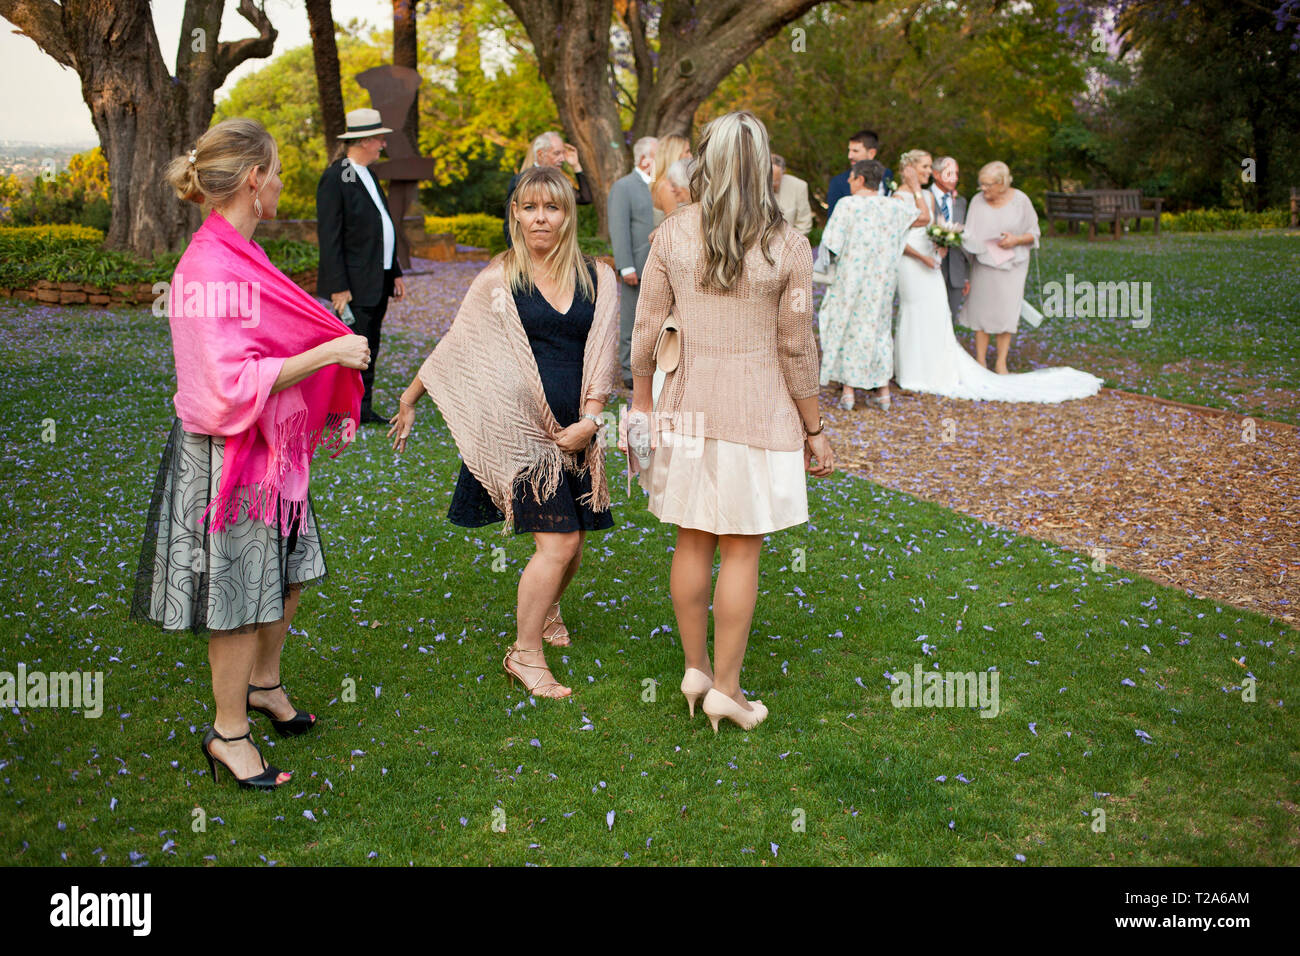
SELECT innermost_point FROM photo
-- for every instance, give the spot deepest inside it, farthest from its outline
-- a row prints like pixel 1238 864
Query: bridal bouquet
pixel 944 235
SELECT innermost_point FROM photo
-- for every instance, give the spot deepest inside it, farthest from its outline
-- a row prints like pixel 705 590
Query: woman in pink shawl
pixel 264 374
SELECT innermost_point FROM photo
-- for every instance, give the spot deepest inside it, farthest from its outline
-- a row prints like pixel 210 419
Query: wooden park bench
pixel 1075 208
pixel 1093 206
pixel 1124 204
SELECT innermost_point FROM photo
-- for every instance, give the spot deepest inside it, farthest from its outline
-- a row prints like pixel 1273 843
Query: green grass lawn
pixel 1225 324
pixel 435 744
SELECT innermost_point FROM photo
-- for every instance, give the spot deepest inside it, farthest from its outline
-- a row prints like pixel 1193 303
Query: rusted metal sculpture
pixel 392 89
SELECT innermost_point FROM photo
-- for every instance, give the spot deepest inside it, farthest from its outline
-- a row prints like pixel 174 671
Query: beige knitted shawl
pixel 484 379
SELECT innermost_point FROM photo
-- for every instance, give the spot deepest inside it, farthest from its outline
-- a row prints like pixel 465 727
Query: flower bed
pixel 66 265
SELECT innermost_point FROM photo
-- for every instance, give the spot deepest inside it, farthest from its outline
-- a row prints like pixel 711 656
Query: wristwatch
pixel 596 419
pixel 821 427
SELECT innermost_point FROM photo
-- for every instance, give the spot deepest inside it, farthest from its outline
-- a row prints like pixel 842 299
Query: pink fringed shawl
pixel 235 318
pixel 484 378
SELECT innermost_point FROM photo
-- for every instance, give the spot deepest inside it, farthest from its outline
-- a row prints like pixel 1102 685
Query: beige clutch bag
pixel 668 347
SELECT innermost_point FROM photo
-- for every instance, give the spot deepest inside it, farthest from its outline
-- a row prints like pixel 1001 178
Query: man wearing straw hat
pixel 359 269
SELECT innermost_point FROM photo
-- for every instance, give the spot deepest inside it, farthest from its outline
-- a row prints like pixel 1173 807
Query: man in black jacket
pixel 358 254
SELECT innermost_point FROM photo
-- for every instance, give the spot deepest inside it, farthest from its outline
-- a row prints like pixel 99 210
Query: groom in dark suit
pixel 863 144
pixel 951 208
pixel 358 244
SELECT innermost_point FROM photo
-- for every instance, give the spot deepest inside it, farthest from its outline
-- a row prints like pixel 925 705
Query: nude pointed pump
pixel 718 706
pixel 695 684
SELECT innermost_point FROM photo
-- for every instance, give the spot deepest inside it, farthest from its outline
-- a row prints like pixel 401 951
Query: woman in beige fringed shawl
pixel 521 378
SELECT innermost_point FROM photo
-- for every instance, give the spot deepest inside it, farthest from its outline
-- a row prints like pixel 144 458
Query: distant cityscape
pixel 28 160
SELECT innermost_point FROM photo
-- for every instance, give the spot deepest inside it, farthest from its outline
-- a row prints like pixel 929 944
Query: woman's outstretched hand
pixel 819 447
pixel 402 424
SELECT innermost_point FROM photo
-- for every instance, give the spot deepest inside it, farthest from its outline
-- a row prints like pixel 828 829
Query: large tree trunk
pixel 700 42
pixel 143 116
pixel 329 83
pixel 572 50
pixel 406 53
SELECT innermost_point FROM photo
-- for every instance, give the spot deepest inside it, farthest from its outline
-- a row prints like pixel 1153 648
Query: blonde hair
pixel 732 182
pixel 997 169
pixel 911 158
pixel 671 148
pixel 222 159
pixel 565 261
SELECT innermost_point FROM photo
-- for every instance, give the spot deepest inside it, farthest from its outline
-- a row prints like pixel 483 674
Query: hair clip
pixel 193 153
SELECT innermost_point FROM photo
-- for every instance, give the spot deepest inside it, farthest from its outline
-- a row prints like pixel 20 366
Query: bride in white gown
pixel 927 355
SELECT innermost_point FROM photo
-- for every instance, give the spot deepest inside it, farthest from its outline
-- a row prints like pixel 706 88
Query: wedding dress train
pixel 928 357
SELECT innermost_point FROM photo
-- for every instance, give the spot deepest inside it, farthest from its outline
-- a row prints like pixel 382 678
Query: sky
pixel 43 101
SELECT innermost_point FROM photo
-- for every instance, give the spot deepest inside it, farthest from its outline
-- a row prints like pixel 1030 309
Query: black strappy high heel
pixel 299 723
pixel 266 780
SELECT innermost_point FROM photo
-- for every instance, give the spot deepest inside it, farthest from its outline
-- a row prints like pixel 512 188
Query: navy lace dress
pixel 558 341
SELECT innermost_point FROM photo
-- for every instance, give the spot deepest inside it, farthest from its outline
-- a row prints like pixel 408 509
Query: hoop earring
pixel 257 207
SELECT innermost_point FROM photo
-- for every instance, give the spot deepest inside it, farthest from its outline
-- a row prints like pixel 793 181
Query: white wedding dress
pixel 928 357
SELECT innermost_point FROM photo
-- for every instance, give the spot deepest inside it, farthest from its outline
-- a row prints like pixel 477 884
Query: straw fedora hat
pixel 363 123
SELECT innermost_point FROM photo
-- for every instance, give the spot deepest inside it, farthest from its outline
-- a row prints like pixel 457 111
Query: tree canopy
pixel 968 79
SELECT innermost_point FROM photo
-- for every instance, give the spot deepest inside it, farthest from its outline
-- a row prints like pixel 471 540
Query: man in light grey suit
pixel 631 217
pixel 951 208
pixel 791 196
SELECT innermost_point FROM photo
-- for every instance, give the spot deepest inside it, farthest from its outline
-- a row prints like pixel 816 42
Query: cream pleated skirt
pixel 725 488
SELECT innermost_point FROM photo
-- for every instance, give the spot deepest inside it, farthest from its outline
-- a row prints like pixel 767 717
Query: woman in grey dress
pixel 1001 228
pixel 233 566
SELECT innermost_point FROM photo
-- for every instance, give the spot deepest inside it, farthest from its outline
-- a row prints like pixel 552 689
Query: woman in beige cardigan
pixel 737 423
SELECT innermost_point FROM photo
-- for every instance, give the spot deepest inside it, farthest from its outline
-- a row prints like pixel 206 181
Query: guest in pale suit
pixel 951 208
pixel 792 197
pixel 631 217
pixel 738 424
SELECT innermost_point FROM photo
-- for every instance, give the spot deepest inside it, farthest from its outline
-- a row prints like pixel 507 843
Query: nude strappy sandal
pixel 541 687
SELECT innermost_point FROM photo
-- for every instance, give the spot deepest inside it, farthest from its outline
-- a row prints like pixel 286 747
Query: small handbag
pixel 1030 314
pixel 668 346
pixel 1027 310
pixel 824 267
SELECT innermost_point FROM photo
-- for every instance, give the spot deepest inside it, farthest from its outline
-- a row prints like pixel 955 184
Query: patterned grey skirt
pixel 230 580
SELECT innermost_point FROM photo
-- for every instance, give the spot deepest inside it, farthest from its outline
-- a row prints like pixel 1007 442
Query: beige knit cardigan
pixel 747 354
pixel 484 379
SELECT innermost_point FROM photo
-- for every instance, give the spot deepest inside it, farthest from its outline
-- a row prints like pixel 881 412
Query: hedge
pixel 32 254
pixel 1217 220
pixel 595 246
pixel 470 229
pixel 72 233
